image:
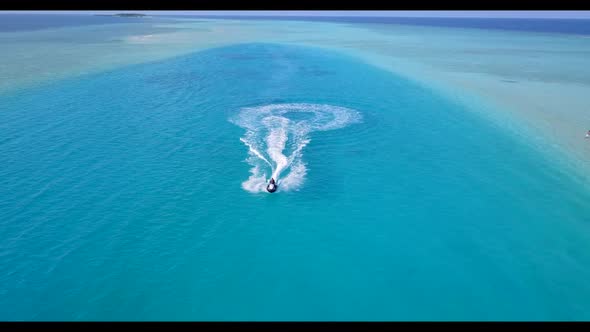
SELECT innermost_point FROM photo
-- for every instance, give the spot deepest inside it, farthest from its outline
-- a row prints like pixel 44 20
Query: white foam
pixel 255 152
pixel 269 128
pixel 256 182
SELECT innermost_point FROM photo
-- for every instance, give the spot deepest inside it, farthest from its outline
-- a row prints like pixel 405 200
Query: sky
pixel 574 14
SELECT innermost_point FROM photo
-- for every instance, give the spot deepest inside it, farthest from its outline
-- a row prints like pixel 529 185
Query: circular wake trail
pixel 276 135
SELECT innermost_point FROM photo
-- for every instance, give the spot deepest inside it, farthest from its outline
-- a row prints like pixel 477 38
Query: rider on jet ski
pixel 272 187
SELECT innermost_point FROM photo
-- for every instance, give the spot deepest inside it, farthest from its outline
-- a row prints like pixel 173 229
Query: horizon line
pixel 539 14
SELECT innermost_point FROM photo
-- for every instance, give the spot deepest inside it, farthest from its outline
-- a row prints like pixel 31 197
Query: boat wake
pixel 276 135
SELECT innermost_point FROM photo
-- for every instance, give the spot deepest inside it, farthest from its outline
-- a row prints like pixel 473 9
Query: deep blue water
pixel 567 26
pixel 121 198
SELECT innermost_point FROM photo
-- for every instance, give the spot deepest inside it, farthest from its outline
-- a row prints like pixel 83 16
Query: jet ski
pixel 272 186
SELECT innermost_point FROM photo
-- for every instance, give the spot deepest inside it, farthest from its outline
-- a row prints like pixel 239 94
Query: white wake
pixel 276 135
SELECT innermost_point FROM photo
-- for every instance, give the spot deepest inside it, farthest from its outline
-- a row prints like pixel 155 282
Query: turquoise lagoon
pixel 135 191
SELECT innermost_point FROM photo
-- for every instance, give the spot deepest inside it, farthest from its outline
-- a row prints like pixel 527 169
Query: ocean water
pixel 562 26
pixel 135 194
pixel 30 22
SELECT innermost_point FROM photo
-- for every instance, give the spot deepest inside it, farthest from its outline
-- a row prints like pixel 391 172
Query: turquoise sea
pixel 137 193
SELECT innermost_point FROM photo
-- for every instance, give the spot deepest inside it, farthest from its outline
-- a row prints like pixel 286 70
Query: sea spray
pixel 276 135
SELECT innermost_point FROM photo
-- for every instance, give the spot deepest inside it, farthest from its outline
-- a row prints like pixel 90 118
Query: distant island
pixel 124 15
